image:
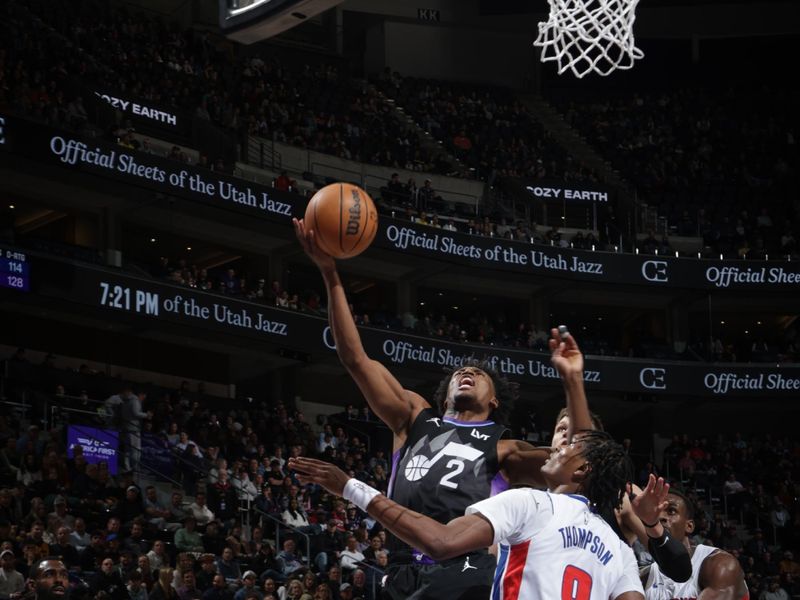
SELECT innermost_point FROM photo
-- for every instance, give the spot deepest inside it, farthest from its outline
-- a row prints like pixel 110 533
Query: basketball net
pixel 589 36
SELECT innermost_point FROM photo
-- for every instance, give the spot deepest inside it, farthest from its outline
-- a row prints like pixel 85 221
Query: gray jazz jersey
pixel 446 465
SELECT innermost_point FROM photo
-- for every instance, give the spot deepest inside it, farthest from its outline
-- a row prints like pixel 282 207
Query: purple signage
pixel 99 445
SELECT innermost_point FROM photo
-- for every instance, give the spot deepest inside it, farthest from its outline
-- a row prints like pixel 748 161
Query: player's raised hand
pixel 310 470
pixel 308 241
pixel 653 499
pixel 565 355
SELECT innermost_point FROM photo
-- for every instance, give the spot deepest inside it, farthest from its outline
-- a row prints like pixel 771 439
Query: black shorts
pixel 466 577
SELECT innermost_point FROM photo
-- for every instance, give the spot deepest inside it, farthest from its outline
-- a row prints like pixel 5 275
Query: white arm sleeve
pixel 514 514
pixel 629 581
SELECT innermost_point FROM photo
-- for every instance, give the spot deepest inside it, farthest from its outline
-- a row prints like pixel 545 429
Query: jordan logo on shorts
pixel 467 566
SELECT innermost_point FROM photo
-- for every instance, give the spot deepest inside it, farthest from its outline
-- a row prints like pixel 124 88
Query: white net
pixel 589 36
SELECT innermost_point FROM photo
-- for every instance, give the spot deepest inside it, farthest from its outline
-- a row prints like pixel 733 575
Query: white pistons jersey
pixel 552 546
pixel 661 587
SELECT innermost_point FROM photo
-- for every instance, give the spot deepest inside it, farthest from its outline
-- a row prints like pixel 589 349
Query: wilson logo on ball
pixel 354 219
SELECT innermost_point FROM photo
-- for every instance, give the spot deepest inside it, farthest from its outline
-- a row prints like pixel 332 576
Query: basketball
pixel 343 218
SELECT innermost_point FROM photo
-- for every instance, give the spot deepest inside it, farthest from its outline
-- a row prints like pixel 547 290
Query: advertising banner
pixel 99 445
pixel 210 188
pixel 113 293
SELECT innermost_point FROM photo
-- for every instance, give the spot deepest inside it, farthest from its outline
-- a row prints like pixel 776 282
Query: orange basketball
pixel 343 218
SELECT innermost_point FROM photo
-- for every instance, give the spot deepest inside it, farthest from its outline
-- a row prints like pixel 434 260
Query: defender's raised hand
pixel 565 355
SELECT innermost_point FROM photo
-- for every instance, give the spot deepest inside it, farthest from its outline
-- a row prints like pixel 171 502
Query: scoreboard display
pixel 15 270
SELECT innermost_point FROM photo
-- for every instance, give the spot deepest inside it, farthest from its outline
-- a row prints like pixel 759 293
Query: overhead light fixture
pixel 152 240
pixel 11 206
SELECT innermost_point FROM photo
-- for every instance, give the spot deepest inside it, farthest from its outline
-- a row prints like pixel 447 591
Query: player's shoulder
pixel 720 569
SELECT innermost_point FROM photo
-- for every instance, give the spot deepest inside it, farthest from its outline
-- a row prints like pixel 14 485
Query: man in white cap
pixel 11 581
pixel 345 592
pixel 248 586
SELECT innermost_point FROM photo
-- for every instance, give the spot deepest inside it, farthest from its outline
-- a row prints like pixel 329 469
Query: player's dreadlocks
pixel 505 391
pixel 609 472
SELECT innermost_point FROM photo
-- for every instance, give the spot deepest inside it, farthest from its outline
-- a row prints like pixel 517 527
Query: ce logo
pixel 653 378
pixel 655 270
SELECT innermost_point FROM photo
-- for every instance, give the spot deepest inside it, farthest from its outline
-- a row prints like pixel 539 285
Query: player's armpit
pixel 721 578
pixel 521 462
pixel 440 542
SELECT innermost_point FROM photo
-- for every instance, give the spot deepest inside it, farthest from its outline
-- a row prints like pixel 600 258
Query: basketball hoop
pixel 589 36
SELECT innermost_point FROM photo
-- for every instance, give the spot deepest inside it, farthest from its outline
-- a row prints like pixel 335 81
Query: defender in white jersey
pixel 553 544
pixel 716 575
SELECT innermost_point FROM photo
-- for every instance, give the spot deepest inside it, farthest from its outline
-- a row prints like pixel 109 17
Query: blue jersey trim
pixel 458 423
pixel 498 572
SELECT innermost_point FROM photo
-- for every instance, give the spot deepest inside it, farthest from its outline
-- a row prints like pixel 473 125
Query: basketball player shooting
pixel 444 459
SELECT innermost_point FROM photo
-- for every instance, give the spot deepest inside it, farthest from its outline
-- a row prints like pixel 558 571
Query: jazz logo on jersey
pixel 435 420
pixel 419 465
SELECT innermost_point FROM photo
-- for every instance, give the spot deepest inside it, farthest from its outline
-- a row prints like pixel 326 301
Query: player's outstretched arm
pixel 522 462
pixel 721 578
pixel 394 405
pixel 646 507
pixel 438 541
pixel 566 357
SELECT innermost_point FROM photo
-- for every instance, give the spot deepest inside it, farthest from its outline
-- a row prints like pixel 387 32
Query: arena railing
pixel 280 524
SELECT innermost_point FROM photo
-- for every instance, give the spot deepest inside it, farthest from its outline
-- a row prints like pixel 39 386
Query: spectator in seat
pixel 135 542
pixel 222 499
pixel 288 558
pixel 396 192
pixel 155 512
pixel 64 550
pixel 11 580
pixel 248 587
pixel 200 511
pixel 208 570
pixel 462 144
pixel 131 507
pixel 60 514
pixel 284 183
pixel 136 588
pixel 158 556
pixel 228 566
pixel 187 539
pixel 214 540
pixel 218 590
pixel 188 590
pixel 329 544
pixel 360 589
pixel 350 556
pixel 426 196
pixel 143 566
pixel 107 580
pixel 162 589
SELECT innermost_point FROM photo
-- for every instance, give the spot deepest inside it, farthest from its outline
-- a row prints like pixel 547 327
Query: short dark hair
pixel 36 571
pixel 597 422
pixel 691 507
pixel 505 391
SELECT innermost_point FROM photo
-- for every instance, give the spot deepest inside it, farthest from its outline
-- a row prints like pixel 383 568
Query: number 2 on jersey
pixel 459 466
pixel 576 584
